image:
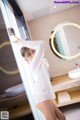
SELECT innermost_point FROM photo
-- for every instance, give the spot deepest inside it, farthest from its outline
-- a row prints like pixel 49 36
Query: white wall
pixel 72 112
pixel 41 28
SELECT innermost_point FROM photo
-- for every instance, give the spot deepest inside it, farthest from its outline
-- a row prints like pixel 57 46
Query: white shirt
pixel 42 86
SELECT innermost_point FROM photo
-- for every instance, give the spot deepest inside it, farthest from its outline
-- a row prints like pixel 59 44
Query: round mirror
pixel 65 40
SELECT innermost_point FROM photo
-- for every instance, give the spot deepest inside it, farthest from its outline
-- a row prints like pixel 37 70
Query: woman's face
pixel 29 54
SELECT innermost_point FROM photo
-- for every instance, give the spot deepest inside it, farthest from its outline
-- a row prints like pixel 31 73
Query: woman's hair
pixel 24 50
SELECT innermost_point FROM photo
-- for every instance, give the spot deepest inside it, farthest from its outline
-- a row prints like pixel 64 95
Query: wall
pixel 41 28
pixel 7 61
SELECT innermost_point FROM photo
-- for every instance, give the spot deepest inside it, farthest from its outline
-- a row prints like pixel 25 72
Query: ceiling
pixel 33 9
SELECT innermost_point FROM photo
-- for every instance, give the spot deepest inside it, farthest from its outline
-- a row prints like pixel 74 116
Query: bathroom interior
pixel 39 21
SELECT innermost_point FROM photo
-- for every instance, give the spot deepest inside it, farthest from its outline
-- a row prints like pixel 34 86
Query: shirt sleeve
pixel 39 47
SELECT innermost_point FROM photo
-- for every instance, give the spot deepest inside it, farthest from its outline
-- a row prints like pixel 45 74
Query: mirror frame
pixel 52 40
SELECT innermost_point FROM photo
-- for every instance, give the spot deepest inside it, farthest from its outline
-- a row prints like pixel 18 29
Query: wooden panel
pixel 75 98
pixel 64 83
pixel 12 101
pixel 21 110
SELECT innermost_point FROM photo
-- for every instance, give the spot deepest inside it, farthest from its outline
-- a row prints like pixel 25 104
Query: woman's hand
pixel 17 40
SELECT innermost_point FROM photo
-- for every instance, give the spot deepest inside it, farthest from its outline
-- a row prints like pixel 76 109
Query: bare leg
pixel 58 113
pixel 50 111
pixel 46 108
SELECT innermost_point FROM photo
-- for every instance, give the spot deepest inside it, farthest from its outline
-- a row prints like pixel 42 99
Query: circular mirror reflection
pixel 65 41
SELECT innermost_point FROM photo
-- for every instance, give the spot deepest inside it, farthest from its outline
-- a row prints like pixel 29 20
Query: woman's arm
pixel 39 47
pixel 39 55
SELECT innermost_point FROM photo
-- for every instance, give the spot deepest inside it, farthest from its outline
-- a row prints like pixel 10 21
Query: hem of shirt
pixel 45 100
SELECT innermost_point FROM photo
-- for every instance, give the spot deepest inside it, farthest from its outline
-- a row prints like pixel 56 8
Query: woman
pixel 33 52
